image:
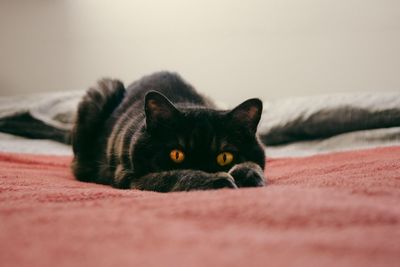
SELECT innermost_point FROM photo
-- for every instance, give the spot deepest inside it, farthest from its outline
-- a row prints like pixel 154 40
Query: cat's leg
pixel 93 111
pixel 122 177
pixel 183 180
pixel 248 174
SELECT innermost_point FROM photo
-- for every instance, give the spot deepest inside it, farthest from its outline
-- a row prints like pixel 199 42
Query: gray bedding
pixel 310 118
pixel 39 116
pixel 290 127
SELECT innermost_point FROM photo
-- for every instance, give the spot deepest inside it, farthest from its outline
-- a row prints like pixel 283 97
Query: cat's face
pixel 197 138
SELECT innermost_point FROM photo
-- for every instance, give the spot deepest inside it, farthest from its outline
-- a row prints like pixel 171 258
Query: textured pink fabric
pixel 339 209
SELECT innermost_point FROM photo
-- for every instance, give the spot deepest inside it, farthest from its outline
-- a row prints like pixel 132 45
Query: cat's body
pixel 161 135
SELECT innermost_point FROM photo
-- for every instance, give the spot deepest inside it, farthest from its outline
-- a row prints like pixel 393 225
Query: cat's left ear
pixel 159 110
pixel 248 114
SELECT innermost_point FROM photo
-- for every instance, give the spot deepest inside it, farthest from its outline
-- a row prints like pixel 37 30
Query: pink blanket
pixel 340 209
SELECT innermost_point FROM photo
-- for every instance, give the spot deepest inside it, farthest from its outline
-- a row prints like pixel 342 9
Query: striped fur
pixel 123 137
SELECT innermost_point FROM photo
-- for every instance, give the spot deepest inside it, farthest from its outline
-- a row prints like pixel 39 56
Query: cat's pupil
pixel 224 157
pixel 176 155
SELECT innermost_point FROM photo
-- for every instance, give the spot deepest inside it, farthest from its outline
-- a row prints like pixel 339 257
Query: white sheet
pixel 16 144
pixel 342 142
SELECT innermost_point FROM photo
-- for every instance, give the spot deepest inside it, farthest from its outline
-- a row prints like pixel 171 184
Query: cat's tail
pixel 87 135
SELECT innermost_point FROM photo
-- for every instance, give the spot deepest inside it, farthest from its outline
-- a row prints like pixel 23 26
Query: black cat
pixel 161 135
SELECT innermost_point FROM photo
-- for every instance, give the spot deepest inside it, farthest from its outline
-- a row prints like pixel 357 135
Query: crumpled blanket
pixel 40 116
pixel 317 117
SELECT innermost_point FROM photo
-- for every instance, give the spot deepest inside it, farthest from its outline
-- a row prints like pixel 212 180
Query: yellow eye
pixel 224 158
pixel 177 156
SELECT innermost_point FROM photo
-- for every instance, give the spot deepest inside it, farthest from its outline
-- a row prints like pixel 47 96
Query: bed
pixel 332 197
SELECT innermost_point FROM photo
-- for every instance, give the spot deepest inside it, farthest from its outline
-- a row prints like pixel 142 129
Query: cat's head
pixel 184 137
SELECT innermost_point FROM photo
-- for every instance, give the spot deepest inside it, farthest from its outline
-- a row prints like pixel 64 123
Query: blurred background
pixel 228 49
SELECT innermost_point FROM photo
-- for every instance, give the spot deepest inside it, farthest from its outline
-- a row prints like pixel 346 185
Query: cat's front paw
pixel 248 174
pixel 221 180
pixel 188 180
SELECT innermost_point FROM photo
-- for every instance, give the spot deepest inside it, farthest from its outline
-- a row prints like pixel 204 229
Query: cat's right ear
pixel 159 110
pixel 248 114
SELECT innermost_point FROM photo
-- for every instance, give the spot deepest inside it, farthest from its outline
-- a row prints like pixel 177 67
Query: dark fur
pixel 123 137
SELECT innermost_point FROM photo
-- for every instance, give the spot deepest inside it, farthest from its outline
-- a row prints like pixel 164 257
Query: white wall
pixel 229 49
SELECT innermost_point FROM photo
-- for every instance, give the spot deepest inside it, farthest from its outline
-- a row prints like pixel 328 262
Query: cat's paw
pixel 248 174
pixel 206 181
pixel 189 180
pixel 222 180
